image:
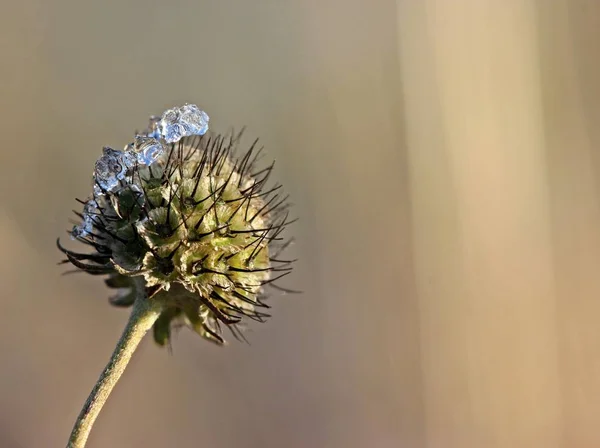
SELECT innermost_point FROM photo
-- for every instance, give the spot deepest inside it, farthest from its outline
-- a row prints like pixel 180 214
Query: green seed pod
pixel 199 225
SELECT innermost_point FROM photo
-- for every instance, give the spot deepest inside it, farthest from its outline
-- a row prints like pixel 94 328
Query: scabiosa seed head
pixel 199 224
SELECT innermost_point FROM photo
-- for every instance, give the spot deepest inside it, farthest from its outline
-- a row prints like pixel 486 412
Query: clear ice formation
pixel 113 168
pixel 147 149
pixel 194 120
pixel 182 122
pixel 110 168
pixel 174 124
pixel 90 210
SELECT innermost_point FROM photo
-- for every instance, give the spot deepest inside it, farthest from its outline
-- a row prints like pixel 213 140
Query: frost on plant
pixel 199 224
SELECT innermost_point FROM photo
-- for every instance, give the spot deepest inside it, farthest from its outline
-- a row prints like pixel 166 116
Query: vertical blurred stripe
pixel 481 215
pixel 569 33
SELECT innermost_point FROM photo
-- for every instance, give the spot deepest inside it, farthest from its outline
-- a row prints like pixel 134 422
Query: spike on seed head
pixel 178 208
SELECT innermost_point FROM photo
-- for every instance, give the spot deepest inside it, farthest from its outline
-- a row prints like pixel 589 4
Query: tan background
pixel 444 159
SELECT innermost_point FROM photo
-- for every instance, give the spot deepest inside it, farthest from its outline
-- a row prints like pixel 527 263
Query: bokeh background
pixel 443 158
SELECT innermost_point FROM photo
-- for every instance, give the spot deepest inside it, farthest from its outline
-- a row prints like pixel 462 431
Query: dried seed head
pixel 199 224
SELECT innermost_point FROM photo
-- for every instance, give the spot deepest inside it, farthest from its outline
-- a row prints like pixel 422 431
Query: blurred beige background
pixel 443 157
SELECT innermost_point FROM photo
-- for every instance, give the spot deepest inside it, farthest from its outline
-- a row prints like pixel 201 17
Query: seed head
pixel 200 225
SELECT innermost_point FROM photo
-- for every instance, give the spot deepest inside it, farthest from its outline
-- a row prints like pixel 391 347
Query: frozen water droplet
pixel 182 122
pixel 129 159
pixel 98 190
pixel 90 209
pixel 90 213
pixel 106 174
pixel 110 168
pixel 125 157
pixel 147 149
pixel 170 128
pixel 79 232
pixel 194 120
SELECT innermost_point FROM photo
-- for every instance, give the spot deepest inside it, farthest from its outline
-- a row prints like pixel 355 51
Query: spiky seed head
pixel 198 223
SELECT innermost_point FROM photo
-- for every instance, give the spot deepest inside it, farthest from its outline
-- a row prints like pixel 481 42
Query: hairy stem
pixel 143 315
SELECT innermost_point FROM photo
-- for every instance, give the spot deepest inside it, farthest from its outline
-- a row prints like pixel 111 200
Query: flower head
pixel 199 224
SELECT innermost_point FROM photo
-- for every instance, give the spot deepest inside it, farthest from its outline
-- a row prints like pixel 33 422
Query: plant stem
pixel 143 315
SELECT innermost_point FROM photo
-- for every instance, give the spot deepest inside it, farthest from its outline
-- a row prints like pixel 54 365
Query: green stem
pixel 143 315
